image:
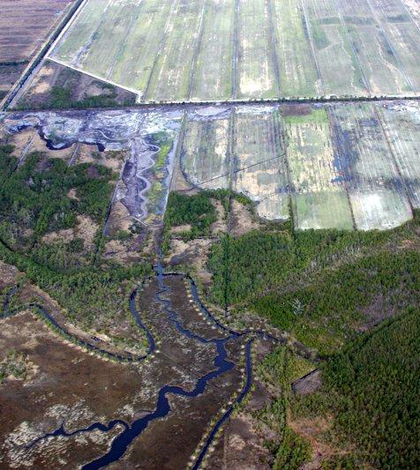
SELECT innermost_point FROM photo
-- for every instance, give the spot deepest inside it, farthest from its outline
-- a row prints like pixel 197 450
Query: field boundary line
pixel 272 19
pixel 67 27
pixel 279 101
pixel 235 56
pixel 312 47
pixel 232 159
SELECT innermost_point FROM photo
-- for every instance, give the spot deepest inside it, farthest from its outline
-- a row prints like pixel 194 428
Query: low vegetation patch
pixel 34 199
pixel 197 211
pixel 13 366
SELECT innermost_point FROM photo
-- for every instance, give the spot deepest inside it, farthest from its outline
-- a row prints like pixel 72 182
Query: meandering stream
pixel 221 364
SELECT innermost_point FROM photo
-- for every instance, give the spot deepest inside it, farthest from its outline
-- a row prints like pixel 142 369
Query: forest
pixel 34 201
pixel 371 388
pixel 353 297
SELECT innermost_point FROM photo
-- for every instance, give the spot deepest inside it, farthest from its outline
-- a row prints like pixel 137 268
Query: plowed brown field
pixel 24 24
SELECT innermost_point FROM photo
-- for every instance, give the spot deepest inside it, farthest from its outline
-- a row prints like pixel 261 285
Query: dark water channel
pixel 221 365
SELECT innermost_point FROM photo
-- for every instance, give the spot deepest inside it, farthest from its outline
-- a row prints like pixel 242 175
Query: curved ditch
pixel 121 443
pixel 8 298
pixel 49 319
pixel 221 365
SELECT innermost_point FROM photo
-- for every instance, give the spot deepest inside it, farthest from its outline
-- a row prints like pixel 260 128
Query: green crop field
pixel 213 73
pixel 256 68
pixel 217 50
pixel 319 199
pixel 171 74
pixel 298 73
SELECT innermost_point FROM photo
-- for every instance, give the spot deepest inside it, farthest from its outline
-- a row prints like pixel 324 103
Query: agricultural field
pixel 219 50
pixel 89 48
pixel 205 156
pixel 171 76
pixel 297 66
pixel 256 62
pixel 377 194
pixel 413 8
pixel 24 26
pixel 239 150
pixel 213 72
pixel 402 32
pixel 334 52
pixel 260 170
pixel 382 71
pixel 319 198
pixel 340 166
pixel 402 126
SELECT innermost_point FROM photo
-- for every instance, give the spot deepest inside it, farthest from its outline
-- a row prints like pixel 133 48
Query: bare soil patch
pixel 241 219
pixel 8 274
pixel 193 254
pixel 24 25
pixel 315 430
pixel 296 110
pixel 308 384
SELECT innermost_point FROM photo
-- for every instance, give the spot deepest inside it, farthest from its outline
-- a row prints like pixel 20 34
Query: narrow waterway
pixel 221 365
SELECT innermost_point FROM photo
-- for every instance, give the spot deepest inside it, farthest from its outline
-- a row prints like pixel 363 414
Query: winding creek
pixel 201 334
pixel 221 365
